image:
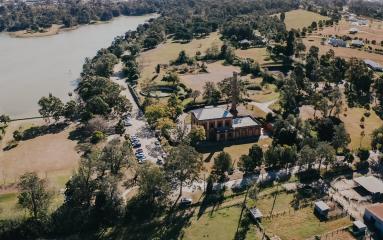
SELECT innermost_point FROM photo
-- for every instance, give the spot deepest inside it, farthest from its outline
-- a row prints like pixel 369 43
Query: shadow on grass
pixel 243 225
pixel 37 131
pixel 211 200
pixel 80 134
pixel 154 221
pixel 212 147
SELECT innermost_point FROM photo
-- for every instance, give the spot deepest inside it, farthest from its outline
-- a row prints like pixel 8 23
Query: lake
pixel 34 67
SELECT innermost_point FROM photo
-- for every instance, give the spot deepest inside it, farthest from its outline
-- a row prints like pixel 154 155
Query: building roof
pixel 210 112
pixel 359 224
pixel 336 42
pixel 370 183
pixel 372 64
pixel 322 206
pixel 244 122
pixel 353 30
pixel 376 210
pixel 256 213
pixel 357 42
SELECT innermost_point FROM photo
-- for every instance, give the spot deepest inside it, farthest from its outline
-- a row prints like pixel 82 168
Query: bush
pixel 97 136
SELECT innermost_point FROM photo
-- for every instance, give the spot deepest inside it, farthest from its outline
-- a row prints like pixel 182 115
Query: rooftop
pixel 370 183
pixel 359 224
pixel 322 206
pixel 211 112
pixel 376 210
pixel 244 122
pixel 372 63
pixel 256 213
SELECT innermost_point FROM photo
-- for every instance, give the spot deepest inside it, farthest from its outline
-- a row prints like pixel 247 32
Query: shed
pixel 357 43
pixel 321 208
pixel 372 185
pixel 359 228
pixel 256 214
pixel 353 30
pixel 373 65
pixel 374 215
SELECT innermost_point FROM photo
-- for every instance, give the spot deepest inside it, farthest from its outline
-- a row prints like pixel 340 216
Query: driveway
pixel 139 126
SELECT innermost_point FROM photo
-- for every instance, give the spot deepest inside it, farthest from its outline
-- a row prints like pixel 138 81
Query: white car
pixel 127 123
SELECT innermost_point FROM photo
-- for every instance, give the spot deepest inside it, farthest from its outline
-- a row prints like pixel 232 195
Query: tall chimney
pixel 234 94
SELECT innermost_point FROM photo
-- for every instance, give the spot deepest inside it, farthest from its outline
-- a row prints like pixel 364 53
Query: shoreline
pixel 58 28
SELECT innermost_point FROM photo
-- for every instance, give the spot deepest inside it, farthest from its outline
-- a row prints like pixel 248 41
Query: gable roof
pixel 370 183
pixel 210 112
pixel 376 210
pixel 322 206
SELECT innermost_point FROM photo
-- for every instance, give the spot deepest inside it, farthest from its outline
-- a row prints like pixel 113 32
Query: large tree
pixel 183 165
pixel 222 163
pixel 51 106
pixel 34 195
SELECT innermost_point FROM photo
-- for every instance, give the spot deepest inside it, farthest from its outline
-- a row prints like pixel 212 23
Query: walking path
pixel 264 106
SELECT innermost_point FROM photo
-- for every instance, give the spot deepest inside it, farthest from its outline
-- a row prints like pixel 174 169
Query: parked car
pixel 127 123
pixel 186 202
pixel 139 150
pixel 137 145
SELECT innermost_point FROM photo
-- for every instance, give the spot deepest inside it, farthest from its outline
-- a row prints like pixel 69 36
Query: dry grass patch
pixel 302 224
pixel 301 18
pixel 169 51
pixel 216 73
pixel 258 54
pixel 50 155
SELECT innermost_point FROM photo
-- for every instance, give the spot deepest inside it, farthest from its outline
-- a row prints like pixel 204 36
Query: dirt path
pixel 265 105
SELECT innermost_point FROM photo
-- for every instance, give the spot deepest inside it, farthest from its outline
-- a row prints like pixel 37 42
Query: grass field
pixel 302 224
pixel 221 224
pixel 351 119
pixel 170 50
pixel 258 54
pixel 301 18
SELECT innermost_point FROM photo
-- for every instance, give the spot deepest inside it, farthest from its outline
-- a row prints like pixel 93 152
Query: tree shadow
pixel 243 225
pixel 37 131
pixel 79 134
pixel 213 200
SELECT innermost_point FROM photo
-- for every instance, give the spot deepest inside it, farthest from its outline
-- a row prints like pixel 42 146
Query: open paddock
pixel 301 18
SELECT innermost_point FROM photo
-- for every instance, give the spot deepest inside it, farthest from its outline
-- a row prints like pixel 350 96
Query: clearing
pixel 301 18
pixel 260 55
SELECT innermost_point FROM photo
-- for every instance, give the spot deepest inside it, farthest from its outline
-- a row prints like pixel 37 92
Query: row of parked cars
pixel 139 153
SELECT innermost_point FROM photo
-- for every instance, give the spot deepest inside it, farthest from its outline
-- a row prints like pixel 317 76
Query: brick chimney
pixel 234 94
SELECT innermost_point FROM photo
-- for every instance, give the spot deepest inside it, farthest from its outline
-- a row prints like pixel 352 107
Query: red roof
pixel 376 210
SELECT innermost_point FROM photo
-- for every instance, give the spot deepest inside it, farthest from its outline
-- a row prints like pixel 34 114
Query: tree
pixel 155 112
pixel 196 135
pixel 150 42
pixel 359 77
pixel 4 120
pixel 222 163
pixel 377 139
pixel 182 58
pixel 290 44
pixel 115 155
pixel 247 163
pixel 171 77
pixel 282 16
pixel 153 185
pixel 308 156
pixel 211 94
pixel 50 106
pixel 195 94
pixel 165 125
pixel 183 164
pixel 174 107
pixel 33 195
pixel 341 138
pixel 325 153
pixel 71 110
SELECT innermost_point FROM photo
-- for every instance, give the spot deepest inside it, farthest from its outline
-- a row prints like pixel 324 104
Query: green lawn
pixel 301 18
pixel 221 225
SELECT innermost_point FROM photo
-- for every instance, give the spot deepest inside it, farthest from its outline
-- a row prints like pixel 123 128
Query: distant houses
pixel 336 42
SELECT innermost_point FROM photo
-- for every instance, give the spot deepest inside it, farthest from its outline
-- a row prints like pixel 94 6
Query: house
pixel 370 186
pixel 336 42
pixel 373 215
pixel 373 65
pixel 353 30
pixel 321 209
pixel 358 228
pixel 245 43
pixel 357 43
pixel 222 124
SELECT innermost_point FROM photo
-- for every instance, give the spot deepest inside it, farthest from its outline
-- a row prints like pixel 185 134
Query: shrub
pixel 97 136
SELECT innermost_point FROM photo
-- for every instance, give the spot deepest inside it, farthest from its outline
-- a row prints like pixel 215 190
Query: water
pixel 34 67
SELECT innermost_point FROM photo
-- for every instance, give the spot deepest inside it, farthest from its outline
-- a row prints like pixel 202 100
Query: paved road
pixel 139 126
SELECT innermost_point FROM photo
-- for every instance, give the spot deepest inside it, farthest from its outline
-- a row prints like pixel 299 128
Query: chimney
pixel 234 94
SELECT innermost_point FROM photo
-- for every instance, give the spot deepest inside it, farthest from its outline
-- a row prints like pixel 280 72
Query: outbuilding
pixel 256 214
pixel 321 209
pixel 357 43
pixel 336 42
pixel 373 65
pixel 374 215
pixel 359 228
pixel 353 30
pixel 371 186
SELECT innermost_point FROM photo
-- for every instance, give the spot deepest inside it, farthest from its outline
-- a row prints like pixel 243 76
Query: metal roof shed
pixel 372 184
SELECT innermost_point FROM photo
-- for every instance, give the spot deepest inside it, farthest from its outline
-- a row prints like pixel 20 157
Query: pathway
pixel 264 106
